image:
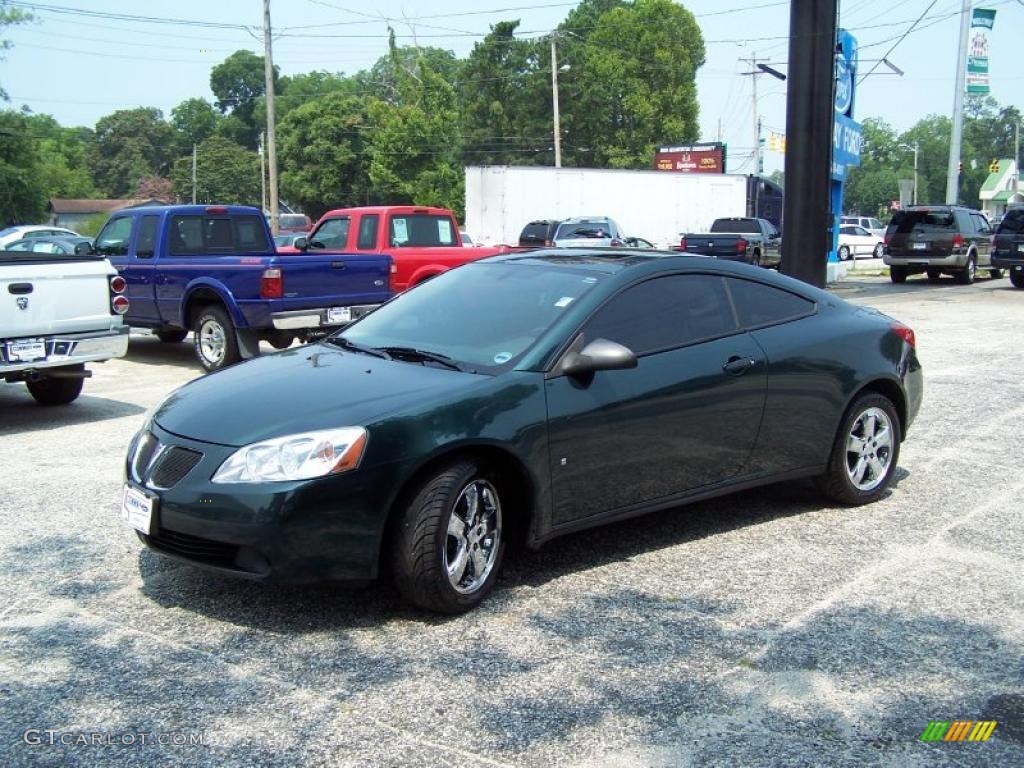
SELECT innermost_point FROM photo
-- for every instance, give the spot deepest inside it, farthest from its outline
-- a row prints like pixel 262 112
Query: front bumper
pixel 305 319
pixel 67 349
pixel 328 529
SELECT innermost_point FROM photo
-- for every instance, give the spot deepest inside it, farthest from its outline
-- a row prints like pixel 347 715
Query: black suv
pixel 938 239
pixel 1008 246
pixel 539 234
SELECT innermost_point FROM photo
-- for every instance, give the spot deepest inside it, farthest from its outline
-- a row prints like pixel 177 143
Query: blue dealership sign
pixel 847 139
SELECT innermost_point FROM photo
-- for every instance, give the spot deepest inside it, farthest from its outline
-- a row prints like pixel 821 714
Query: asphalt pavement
pixel 765 628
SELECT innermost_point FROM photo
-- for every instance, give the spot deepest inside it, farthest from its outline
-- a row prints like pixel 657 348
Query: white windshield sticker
pixel 565 301
pixel 401 231
pixel 502 357
pixel 444 232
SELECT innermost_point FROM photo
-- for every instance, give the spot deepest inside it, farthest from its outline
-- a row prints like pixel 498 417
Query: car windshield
pixel 481 316
pixel 744 226
pixel 587 229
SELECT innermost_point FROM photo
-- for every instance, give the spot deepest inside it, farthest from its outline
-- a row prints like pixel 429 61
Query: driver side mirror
pixel 598 355
pixel 84 249
pixel 301 243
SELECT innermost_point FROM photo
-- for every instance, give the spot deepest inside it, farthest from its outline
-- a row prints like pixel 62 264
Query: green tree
pixel 194 121
pixel 296 90
pixel 10 15
pixel 63 158
pixel 239 83
pixel 321 153
pixel 932 137
pixel 872 185
pixel 632 82
pixel 130 144
pixel 22 197
pixel 226 173
pixel 394 74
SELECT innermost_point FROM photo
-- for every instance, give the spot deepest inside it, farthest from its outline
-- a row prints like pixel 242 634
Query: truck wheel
pixel 48 391
pixel 1017 278
pixel 844 253
pixel 966 275
pixel 995 274
pixel 171 336
pixel 449 542
pixel 898 274
pixel 934 275
pixel 214 337
pixel 756 259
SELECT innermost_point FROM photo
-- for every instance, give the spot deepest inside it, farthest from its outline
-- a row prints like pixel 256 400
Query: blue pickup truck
pixel 214 270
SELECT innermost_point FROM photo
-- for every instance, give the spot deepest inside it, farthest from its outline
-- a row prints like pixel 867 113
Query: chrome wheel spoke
pixel 856 444
pixel 883 438
pixel 859 470
pixel 877 468
pixel 457 527
pixel 479 558
pixel 472 495
pixel 869 449
pixel 473 536
pixel 457 568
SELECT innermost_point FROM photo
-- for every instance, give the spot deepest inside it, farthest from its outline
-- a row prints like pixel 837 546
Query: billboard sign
pixel 691 158
pixel 982 21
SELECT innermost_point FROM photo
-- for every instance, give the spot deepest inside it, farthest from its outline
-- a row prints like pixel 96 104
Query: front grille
pixel 194 548
pixel 172 465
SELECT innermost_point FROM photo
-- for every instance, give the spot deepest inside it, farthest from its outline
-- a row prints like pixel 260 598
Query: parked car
pixel 539 234
pixel 294 222
pixel 520 398
pixel 588 231
pixel 10 234
pixel 737 238
pixel 59 246
pixel 422 242
pixel 856 241
pixel 870 223
pixel 213 270
pixel 467 240
pixel 57 313
pixel 1008 246
pixel 638 242
pixel 287 239
pixel 937 240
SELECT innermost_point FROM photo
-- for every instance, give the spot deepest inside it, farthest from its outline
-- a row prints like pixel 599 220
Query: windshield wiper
pixel 408 353
pixel 341 341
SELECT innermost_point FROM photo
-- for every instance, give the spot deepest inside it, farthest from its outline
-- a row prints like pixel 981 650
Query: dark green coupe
pixel 519 398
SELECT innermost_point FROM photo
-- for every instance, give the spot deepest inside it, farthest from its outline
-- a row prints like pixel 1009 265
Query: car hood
pixel 298 390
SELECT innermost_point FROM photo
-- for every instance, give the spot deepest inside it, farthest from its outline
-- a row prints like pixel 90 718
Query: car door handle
pixel 738 365
pixel 19 289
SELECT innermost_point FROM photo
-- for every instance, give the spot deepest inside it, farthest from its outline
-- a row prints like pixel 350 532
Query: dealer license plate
pixel 26 351
pixel 1020 247
pixel 137 509
pixel 919 246
pixel 339 315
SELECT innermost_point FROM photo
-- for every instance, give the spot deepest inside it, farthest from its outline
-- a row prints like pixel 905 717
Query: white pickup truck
pixel 56 314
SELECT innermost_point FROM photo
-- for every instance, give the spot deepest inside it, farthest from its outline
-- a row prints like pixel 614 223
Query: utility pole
pixel 953 172
pixel 268 71
pixel 554 100
pixel 263 176
pixel 915 172
pixel 755 117
pixel 193 174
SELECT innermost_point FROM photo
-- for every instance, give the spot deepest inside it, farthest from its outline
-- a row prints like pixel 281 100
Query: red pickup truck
pixel 422 242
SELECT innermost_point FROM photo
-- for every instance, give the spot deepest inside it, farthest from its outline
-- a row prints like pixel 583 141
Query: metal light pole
pixel 268 73
pixel 953 172
pixel 554 101
pixel 263 176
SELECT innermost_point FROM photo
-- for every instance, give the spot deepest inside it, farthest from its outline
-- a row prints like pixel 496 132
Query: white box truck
pixel 654 205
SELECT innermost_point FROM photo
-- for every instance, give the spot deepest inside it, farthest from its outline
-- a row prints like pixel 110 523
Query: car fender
pixel 223 294
pixel 426 272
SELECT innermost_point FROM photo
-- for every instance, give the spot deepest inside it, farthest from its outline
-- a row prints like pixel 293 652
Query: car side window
pixel 145 240
pixel 758 304
pixel 250 235
pixel 186 236
pixel 981 224
pixel 333 233
pixel 664 313
pixel 846 230
pixel 368 232
pixel 113 238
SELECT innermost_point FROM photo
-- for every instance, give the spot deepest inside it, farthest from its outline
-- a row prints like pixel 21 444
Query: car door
pixel 982 238
pixel 864 242
pixel 139 270
pixel 114 241
pixel 686 416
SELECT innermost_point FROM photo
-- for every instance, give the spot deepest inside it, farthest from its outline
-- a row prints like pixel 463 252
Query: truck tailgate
pixel 336 279
pixel 48 296
pixel 713 245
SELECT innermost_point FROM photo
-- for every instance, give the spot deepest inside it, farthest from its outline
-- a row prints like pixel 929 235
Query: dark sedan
pixel 518 398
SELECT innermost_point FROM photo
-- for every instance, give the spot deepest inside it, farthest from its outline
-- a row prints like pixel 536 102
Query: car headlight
pixel 295 457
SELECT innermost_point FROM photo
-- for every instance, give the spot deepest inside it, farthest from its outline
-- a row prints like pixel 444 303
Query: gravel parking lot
pixel 762 628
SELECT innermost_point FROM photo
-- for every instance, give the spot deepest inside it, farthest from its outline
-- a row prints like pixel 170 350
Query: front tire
pixel 864 454
pixel 1017 278
pixel 172 336
pixel 934 275
pixel 966 275
pixel 995 274
pixel 898 274
pixel 214 338
pixel 47 391
pixel 449 543
pixel 878 252
pixel 844 253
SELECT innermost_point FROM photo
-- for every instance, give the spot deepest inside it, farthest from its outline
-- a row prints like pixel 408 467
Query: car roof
pixel 585 219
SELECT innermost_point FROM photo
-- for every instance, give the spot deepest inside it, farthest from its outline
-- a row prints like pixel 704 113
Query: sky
pixel 80 68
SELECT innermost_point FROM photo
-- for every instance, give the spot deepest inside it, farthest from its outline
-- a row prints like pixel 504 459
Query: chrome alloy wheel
pixel 212 341
pixel 474 537
pixel 869 449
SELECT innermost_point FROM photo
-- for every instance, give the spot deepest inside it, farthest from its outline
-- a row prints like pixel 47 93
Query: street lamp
pixel 913 149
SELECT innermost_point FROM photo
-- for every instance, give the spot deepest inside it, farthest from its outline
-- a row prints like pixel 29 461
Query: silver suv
pixel 587 231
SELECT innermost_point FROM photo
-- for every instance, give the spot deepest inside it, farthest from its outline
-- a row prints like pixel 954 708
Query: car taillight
pixel 905 333
pixel 119 304
pixel 118 284
pixel 391 278
pixel 682 243
pixel 958 240
pixel 272 284
pixel 549 243
pixel 741 245
pixel 616 243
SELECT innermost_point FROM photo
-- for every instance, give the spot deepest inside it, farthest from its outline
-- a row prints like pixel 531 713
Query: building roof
pixel 994 181
pixel 65 205
pixel 1006 196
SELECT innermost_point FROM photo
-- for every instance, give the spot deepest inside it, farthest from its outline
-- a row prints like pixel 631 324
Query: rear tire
pixel 47 391
pixel 213 334
pixel 995 274
pixel 865 452
pixel 898 274
pixel 1017 278
pixel 966 275
pixel 844 253
pixel 449 543
pixel 172 336
pixel 878 252
pixel 934 275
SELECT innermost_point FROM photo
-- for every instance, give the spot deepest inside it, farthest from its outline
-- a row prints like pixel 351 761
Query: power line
pixel 900 40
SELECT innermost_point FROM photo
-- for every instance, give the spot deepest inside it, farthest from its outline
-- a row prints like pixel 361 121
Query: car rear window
pixel 743 226
pixel 583 229
pixel 1012 223
pixel 535 232
pixel 904 222
pixel 421 230
pixel 196 235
